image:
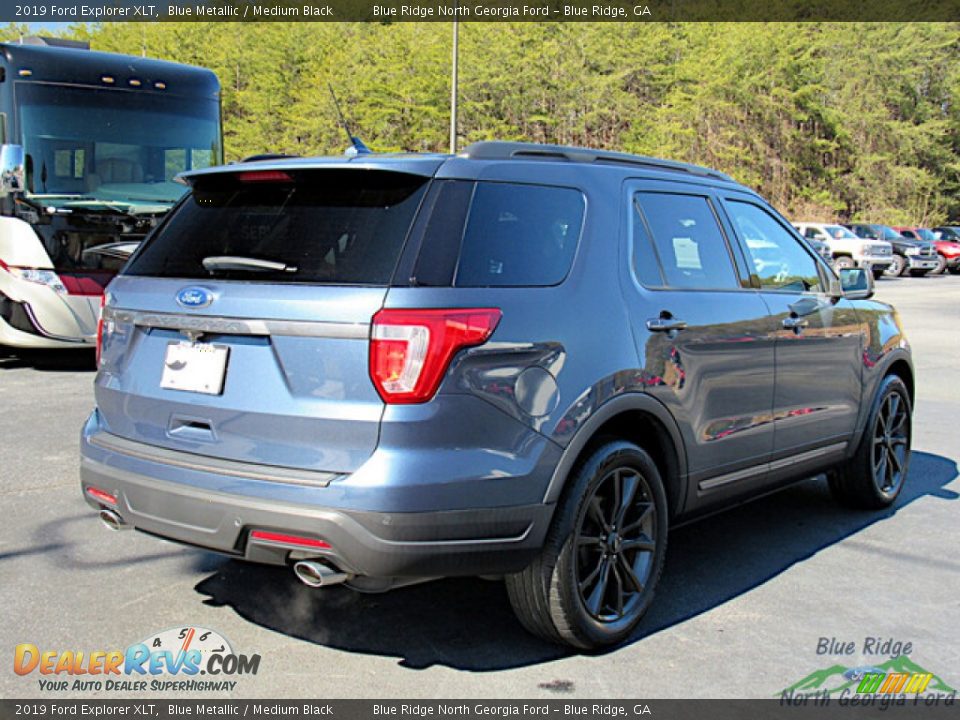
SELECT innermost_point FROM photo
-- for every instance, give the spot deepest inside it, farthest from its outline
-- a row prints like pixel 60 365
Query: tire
pixel 578 591
pixel 897 268
pixel 871 480
pixel 878 272
pixel 941 265
pixel 843 262
pixel 920 273
pixel 955 270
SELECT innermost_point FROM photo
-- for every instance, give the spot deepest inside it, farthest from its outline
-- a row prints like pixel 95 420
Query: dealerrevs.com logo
pixel 170 661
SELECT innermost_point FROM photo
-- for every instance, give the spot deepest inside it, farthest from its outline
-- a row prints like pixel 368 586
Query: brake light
pixel 264 176
pixel 103 302
pixel 410 350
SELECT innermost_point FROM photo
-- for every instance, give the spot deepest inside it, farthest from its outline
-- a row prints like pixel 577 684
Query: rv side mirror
pixel 857 283
pixel 11 169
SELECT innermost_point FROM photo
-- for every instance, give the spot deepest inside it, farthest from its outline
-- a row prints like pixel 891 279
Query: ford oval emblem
pixel 194 297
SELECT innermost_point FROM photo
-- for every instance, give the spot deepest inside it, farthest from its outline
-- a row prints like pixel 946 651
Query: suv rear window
pixel 320 226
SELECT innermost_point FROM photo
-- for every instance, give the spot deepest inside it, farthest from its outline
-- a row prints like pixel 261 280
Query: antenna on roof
pixel 356 144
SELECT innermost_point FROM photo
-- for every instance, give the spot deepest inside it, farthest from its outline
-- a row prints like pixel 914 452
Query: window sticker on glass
pixel 687 253
pixel 688 240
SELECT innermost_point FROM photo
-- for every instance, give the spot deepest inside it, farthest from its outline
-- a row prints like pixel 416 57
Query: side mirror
pixel 857 283
pixel 11 169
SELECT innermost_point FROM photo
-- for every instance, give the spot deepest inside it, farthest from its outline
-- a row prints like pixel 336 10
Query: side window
pixel 780 261
pixel 688 241
pixel 519 235
pixel 646 267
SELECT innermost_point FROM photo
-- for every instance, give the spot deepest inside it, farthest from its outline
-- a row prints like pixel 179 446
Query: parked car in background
pixel 821 249
pixel 948 251
pixel 521 360
pixel 918 257
pixel 846 249
pixel 947 232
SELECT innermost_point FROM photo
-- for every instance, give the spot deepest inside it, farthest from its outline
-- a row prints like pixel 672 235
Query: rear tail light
pixel 410 350
pixel 103 303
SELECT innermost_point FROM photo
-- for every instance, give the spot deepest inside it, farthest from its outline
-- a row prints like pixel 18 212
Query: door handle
pixel 665 324
pixel 795 323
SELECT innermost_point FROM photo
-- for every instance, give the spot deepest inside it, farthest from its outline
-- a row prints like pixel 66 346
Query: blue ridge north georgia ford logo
pixel 194 297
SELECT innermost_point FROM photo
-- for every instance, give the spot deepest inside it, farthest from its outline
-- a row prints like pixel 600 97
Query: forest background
pixel 845 121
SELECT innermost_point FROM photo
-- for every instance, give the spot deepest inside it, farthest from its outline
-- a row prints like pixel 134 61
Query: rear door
pixel 818 348
pixel 240 330
pixel 703 335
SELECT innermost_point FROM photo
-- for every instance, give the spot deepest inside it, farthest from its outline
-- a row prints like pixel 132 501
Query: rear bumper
pixel 218 510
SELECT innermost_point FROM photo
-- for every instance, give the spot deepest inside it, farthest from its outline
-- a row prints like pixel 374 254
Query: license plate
pixel 195 367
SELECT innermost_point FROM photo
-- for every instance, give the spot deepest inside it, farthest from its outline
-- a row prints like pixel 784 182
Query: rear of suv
pixel 522 360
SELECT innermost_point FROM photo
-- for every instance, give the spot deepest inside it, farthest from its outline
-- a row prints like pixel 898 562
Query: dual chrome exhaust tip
pixel 310 572
pixel 317 574
pixel 113 521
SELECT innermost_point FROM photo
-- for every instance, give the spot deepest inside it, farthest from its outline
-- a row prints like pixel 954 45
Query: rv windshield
pixel 114 145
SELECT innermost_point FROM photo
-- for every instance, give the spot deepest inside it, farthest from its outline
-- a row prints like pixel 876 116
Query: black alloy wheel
pixel 616 543
pixel 874 476
pixel 891 444
pixel 599 566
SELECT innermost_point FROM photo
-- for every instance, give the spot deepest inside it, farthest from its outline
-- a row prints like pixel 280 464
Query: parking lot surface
pixel 746 600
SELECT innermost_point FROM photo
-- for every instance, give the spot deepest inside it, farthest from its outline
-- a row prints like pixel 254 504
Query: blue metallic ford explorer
pixel 522 360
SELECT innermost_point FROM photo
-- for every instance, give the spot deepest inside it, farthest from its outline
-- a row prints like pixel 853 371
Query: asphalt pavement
pixel 747 598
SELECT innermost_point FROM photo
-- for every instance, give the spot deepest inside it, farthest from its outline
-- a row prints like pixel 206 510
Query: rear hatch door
pixel 240 329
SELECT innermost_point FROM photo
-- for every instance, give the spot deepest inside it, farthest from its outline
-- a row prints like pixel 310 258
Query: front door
pixel 818 347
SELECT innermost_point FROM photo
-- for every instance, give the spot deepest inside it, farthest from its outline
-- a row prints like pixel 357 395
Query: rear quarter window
pixel 519 235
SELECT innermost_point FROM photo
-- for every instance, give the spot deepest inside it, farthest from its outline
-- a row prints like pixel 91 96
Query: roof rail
pixel 500 150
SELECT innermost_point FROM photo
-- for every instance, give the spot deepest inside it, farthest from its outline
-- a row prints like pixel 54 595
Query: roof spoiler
pixel 55 42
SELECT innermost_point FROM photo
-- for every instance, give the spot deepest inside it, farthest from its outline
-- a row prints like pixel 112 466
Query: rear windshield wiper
pixel 244 264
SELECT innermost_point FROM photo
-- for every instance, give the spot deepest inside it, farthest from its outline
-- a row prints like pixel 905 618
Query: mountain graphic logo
pixel 898 674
